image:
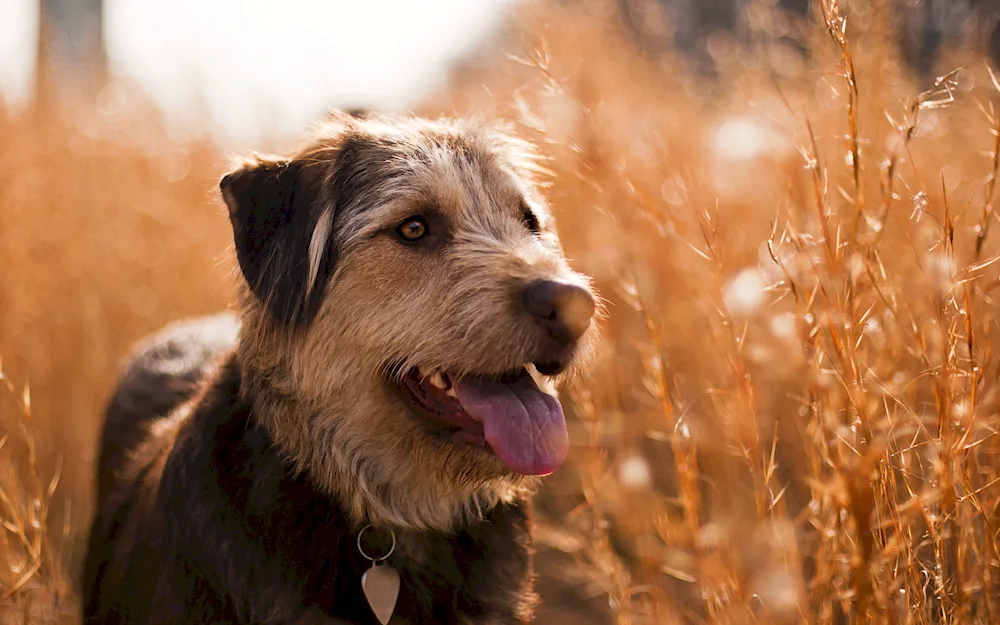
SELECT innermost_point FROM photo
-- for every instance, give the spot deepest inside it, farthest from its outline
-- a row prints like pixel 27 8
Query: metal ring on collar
pixel 362 549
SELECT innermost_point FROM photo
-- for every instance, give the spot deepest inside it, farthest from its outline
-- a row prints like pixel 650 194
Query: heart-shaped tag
pixel 381 586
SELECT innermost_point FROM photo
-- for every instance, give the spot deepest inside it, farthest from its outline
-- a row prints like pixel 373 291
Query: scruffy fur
pixel 242 456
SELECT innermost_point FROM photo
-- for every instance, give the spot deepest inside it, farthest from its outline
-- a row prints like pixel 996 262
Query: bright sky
pixel 263 65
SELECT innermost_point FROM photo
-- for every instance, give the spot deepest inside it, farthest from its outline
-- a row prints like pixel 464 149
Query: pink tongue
pixel 524 426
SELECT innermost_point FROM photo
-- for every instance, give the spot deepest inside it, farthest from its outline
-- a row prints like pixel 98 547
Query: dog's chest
pixel 479 574
pixel 476 576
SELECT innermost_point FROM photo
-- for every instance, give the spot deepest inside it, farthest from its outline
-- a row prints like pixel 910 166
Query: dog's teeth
pixel 437 380
pixel 451 392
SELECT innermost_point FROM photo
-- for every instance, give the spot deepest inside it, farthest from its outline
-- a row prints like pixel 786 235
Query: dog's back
pixel 163 372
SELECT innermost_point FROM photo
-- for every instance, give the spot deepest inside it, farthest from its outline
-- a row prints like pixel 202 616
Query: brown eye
pixel 413 229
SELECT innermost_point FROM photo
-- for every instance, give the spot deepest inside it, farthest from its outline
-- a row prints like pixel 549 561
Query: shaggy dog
pixel 362 440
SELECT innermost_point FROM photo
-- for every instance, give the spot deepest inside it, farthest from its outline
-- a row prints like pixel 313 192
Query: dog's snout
pixel 563 310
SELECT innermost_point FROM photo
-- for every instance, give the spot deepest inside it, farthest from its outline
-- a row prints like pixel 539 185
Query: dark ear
pixel 274 215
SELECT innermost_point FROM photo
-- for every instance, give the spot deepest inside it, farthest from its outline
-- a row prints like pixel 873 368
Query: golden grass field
pixel 793 417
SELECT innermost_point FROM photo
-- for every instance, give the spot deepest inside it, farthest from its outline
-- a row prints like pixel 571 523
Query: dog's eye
pixel 413 229
pixel 529 219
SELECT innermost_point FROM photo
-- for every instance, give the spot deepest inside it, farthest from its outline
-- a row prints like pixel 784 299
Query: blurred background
pixel 788 205
pixel 243 71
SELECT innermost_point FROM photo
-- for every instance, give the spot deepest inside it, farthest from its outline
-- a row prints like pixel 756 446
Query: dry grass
pixel 33 585
pixel 794 415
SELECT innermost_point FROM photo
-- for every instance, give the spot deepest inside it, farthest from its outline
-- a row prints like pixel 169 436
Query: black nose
pixel 564 310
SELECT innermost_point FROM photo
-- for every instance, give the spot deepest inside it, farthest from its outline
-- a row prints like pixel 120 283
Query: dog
pixel 383 402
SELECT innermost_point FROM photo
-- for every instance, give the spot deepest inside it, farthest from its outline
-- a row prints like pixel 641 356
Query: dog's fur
pixel 241 457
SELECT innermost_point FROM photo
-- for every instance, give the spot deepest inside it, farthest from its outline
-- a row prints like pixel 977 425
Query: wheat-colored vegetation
pixel 793 417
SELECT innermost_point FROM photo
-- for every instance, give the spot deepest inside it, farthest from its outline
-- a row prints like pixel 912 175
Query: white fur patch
pixel 317 245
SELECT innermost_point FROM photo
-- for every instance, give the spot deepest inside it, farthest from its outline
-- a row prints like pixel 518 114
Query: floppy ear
pixel 282 237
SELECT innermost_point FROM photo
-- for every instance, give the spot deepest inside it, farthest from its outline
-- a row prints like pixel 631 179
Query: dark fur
pixel 205 522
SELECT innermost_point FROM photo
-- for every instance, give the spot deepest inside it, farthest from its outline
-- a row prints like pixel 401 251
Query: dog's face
pixel 407 289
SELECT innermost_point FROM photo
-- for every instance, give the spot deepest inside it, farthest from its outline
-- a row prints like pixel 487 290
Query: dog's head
pixel 409 297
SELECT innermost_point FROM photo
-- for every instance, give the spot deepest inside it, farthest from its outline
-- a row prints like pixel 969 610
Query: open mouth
pixel 507 413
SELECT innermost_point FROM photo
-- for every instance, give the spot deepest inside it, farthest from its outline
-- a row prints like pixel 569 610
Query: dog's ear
pixel 282 237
